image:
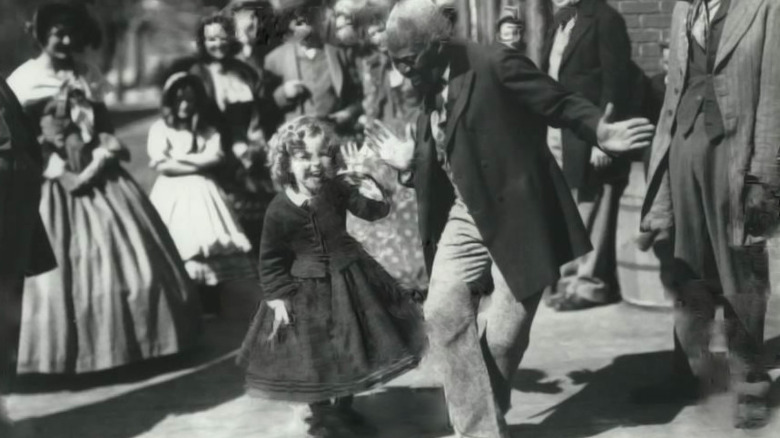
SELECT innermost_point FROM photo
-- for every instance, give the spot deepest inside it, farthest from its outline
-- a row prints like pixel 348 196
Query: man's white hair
pixel 415 24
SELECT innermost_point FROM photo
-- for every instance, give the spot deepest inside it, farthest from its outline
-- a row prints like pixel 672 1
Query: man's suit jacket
pixel 500 104
pixel 24 245
pixel 597 64
pixel 747 87
pixel 282 66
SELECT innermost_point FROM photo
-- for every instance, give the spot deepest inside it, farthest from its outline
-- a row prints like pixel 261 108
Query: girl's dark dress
pixel 352 325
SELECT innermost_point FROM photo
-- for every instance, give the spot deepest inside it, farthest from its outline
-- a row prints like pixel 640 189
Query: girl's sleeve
pixel 156 144
pixel 276 259
pixel 365 198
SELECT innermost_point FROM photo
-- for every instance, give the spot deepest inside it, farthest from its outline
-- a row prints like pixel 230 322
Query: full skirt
pixel 205 229
pixel 119 294
pixel 350 331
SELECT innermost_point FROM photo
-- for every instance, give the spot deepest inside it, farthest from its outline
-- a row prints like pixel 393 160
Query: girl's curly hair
pixel 289 139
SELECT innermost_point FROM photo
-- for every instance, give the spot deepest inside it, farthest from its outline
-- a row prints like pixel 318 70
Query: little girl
pixel 333 322
pixel 184 146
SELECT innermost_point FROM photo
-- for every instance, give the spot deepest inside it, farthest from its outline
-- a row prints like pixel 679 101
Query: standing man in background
pixel 713 189
pixel 589 52
pixel 310 77
pixel 24 246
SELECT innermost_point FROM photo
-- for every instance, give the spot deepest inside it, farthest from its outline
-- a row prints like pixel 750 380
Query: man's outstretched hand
pixel 620 137
pixel 396 152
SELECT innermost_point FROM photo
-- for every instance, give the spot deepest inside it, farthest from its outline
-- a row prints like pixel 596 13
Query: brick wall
pixel 648 24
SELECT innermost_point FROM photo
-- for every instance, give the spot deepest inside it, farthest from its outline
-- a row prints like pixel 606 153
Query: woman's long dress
pixel 120 293
pixel 393 241
pixel 237 94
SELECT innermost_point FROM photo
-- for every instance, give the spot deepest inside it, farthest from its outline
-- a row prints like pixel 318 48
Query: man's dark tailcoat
pixel 499 106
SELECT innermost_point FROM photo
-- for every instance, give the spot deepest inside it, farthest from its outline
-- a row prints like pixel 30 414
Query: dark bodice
pixel 238 118
pixel 311 241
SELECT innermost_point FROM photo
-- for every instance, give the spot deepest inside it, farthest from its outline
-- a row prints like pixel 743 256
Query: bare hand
pixel 620 137
pixel 53 131
pixel 598 159
pixel 340 117
pixel 648 239
pixel 281 316
pixel 241 151
pixel 762 211
pixel 397 153
pixel 71 182
pixel 354 158
pixel 293 88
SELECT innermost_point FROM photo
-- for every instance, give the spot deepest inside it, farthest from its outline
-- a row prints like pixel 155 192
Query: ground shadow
pixel 534 381
pixel 604 403
pixel 220 338
pixel 406 412
pixel 134 413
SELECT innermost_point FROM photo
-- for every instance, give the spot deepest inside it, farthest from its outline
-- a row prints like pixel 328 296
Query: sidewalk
pixel 574 383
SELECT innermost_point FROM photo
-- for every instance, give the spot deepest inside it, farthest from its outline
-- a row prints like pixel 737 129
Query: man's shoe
pixel 674 390
pixel 573 302
pixel 752 412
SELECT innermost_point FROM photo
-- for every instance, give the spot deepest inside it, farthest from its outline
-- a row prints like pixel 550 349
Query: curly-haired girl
pixel 333 322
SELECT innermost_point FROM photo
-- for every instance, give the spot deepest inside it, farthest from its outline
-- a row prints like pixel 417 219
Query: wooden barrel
pixel 638 272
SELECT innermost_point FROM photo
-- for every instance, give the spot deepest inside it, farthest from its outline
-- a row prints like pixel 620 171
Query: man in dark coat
pixel 24 246
pixel 588 51
pixel 494 208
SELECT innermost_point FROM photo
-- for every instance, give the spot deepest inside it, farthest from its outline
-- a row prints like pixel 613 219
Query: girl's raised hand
pixel 281 316
pixel 354 158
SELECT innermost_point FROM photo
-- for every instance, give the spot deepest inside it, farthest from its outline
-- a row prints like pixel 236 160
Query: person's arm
pixel 544 96
pixel 406 177
pixel 562 109
pixel 173 167
pixel 762 182
pixel 765 163
pixel 275 81
pixel 210 156
pixel 365 197
pixel 116 150
pixel 276 259
pixel 159 160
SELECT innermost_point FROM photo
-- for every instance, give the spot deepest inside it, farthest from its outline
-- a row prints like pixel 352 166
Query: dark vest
pixel 699 91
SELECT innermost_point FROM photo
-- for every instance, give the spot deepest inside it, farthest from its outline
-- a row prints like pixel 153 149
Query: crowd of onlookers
pixel 283 121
